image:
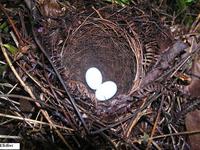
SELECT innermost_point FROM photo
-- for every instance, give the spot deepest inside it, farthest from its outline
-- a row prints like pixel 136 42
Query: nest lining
pixel 98 45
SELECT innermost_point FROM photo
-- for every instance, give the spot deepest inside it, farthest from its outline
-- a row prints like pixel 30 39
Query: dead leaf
pixel 51 8
pixel 192 122
pixel 194 87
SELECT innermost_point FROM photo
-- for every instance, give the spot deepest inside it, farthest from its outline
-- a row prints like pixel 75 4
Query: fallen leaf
pixel 192 119
pixel 51 8
pixel 192 122
pixel 194 87
pixel 12 49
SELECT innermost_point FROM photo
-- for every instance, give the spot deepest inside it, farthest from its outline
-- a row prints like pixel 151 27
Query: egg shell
pixel 93 78
pixel 106 91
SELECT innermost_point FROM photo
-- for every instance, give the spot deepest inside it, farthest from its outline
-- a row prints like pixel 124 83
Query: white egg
pixel 106 91
pixel 93 78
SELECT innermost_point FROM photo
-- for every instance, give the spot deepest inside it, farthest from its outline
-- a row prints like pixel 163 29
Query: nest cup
pixel 106 46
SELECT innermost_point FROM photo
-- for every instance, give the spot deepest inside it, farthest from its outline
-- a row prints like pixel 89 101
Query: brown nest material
pixel 92 41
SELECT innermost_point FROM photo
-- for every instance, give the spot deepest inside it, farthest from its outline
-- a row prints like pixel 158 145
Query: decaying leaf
pixel 192 122
pixel 50 8
pixel 194 87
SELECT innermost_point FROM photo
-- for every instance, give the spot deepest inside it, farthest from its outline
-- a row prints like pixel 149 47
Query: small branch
pixel 176 134
pixel 9 137
pixel 31 121
pixel 164 62
pixel 155 124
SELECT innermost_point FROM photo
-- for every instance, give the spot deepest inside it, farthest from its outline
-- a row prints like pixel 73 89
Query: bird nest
pixel 102 43
pixel 123 47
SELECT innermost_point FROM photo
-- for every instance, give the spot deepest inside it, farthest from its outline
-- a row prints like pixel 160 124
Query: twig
pixel 134 121
pixel 176 134
pixel 98 13
pixel 155 124
pixel 28 99
pixel 9 137
pixel 11 22
pixel 33 121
